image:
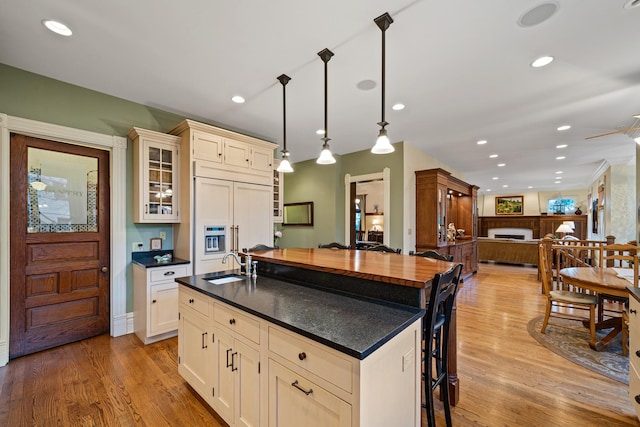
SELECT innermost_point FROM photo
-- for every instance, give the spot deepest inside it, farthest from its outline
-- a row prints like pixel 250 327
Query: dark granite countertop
pixel 354 326
pixel 146 259
pixel 634 292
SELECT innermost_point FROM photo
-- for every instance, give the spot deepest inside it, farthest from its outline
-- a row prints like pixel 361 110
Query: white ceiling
pixel 460 67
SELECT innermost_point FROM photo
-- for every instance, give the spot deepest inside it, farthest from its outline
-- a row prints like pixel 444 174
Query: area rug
pixel 573 345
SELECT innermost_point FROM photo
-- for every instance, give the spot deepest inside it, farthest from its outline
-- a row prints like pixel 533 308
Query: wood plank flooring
pixel 507 378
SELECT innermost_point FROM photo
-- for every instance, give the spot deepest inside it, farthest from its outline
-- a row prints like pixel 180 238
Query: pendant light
pixel 383 145
pixel 284 165
pixel 326 158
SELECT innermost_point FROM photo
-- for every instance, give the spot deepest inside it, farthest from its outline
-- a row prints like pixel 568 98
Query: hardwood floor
pixel 507 378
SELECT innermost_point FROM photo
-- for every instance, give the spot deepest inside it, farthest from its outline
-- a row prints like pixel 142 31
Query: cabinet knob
pixel 302 356
pixel 153 302
pixel 232 321
pixel 638 353
pixel 191 301
pixel 632 311
pixel 637 398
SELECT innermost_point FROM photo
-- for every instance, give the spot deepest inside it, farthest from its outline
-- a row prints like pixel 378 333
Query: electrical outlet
pixel 163 235
pixel 137 246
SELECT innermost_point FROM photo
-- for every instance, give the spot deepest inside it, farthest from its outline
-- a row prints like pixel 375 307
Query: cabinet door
pixel 163 310
pixel 247 385
pixel 252 214
pixel 261 159
pixel 193 351
pixel 160 182
pixel 223 375
pixel 236 153
pixel 295 401
pixel 207 147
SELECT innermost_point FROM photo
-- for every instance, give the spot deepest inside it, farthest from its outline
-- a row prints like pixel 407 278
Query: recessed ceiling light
pixel 559 172
pixel 564 127
pixel 557 182
pixel 531 186
pixel 57 27
pixel 538 14
pixel 366 84
pixel 501 164
pixel 398 106
pixel 542 61
pixel 558 177
pixel 494 178
pixel 493 156
pixel 320 131
pixel 562 146
pixel 488 189
pixel 482 142
pixel 505 186
pixel 238 99
pixel 560 158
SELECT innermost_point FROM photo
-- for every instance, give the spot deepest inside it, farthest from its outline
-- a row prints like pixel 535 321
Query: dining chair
pixel 258 247
pixel 383 248
pixel 430 253
pixel 564 300
pixel 436 323
pixel 334 245
pixel 623 258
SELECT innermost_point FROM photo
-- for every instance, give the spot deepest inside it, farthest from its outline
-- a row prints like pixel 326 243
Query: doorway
pixel 376 207
pixel 59 243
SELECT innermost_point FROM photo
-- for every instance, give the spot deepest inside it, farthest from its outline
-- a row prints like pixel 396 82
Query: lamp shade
pixel 571 224
pixel 564 228
pixel 284 166
pixel 326 158
pixel 383 145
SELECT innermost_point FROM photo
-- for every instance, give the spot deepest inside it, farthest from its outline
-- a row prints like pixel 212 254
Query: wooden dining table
pixel 601 281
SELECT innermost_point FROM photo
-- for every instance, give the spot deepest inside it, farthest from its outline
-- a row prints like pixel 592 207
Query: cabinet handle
pixel 204 345
pixel 146 208
pixel 637 398
pixel 296 385
pixel 232 321
pixel 153 302
pixel 638 353
pixel 233 368
pixel 169 273
pixel 302 356
pixel 228 364
pixel 190 300
pixel 632 311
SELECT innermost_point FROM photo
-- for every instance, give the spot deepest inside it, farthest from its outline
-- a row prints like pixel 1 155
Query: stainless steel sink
pixel 225 279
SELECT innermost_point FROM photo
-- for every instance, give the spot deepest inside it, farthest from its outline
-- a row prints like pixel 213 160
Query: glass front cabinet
pixel 155 176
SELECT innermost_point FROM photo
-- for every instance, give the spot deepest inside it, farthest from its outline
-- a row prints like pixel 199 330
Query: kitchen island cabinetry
pixel 310 365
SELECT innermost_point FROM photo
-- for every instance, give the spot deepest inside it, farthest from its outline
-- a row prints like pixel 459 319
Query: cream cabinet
pixel 156 175
pixel 634 353
pixel 155 301
pixel 255 373
pixel 194 339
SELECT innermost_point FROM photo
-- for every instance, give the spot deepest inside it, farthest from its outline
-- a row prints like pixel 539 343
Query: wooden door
pixel 59 233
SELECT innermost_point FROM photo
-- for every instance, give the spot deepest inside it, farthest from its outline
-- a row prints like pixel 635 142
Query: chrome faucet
pixel 246 264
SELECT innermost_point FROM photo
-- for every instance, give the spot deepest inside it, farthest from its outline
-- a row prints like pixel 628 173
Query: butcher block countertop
pixel 403 270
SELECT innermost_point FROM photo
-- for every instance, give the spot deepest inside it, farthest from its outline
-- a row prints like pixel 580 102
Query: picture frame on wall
pixel 510 205
pixel 155 244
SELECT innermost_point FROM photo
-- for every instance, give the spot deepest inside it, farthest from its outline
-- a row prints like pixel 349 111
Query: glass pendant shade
pixel 326 158
pixel 284 166
pixel 383 145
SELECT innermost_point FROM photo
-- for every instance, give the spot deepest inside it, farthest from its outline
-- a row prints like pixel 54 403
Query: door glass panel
pixel 61 192
pixel 160 181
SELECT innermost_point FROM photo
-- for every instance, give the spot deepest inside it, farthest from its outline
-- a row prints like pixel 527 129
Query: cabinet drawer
pixel 320 361
pixel 194 300
pixel 159 274
pixel 238 322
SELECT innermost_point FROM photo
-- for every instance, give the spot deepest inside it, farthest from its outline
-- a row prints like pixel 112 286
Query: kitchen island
pixel 336 335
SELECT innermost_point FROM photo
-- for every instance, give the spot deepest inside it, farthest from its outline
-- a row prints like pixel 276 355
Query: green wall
pixel 324 185
pixel 32 96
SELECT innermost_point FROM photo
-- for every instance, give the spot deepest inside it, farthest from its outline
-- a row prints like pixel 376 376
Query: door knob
pixel 104 269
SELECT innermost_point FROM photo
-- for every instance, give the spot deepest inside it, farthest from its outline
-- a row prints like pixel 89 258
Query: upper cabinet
pixel 223 154
pixel 156 176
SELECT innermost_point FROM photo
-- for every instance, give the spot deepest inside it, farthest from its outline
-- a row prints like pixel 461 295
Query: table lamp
pixel 564 229
pixel 571 224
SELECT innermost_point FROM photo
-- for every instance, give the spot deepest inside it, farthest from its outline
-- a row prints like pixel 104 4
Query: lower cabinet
pixel 255 373
pixel 296 401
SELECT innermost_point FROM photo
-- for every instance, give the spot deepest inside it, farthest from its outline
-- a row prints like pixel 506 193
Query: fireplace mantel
pixel 540 225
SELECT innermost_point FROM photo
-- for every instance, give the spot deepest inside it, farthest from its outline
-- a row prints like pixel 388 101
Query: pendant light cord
pixel 284 79
pixel 325 55
pixel 383 77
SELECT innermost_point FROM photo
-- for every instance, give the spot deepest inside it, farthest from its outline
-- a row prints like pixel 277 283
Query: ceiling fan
pixel 637 116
